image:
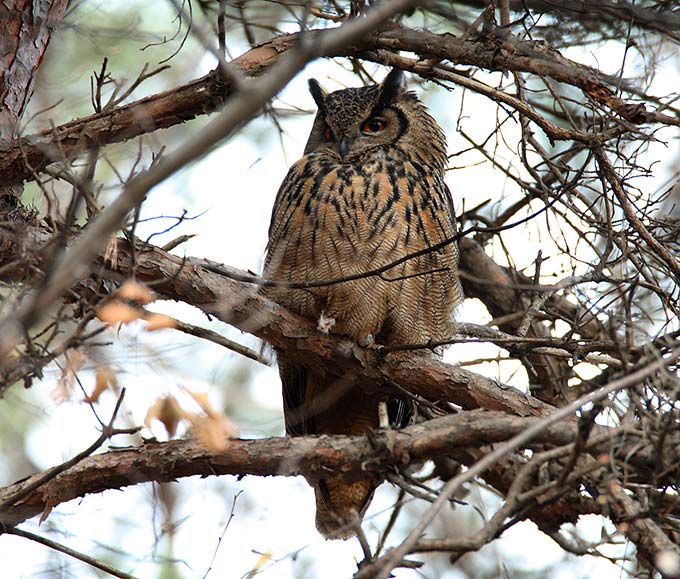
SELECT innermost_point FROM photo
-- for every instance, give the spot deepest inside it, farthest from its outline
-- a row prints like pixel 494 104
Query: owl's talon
pixel 383 416
pixel 325 323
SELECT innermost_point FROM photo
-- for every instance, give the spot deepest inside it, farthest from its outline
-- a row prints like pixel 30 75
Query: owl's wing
pixel 287 207
pixel 294 382
pixel 449 207
pixel 281 263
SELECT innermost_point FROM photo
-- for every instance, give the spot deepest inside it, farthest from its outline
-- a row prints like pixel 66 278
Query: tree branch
pixel 310 456
pixel 73 262
pixel 32 154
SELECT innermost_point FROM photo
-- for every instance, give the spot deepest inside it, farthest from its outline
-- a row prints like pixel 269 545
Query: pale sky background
pixel 234 189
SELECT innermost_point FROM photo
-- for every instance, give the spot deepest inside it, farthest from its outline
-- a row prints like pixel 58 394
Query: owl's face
pixel 355 122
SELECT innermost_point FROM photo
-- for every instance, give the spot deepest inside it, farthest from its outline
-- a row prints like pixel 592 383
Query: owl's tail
pixel 340 505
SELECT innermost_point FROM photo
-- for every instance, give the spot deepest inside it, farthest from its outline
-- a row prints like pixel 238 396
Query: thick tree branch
pixel 598 13
pixel 243 306
pixel 33 153
pixel 310 456
pixel 508 52
pixel 73 262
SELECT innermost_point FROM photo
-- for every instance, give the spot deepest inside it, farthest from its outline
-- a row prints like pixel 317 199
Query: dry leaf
pixel 106 378
pixel 74 362
pixel 265 558
pixel 159 322
pixel 61 393
pixel 201 398
pixel 213 432
pixel 210 427
pixel 135 292
pixel 168 411
pixel 115 312
pixel 214 428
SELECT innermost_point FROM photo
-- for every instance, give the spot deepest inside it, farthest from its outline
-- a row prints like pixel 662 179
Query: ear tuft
pixel 394 82
pixel 390 88
pixel 318 93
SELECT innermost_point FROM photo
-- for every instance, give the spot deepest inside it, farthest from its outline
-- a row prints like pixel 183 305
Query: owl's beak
pixel 344 146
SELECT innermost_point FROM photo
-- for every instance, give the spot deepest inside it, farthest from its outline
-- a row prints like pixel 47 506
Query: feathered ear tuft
pixel 393 85
pixel 318 93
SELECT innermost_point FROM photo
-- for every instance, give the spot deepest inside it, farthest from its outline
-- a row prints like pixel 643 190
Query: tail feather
pixel 341 505
pixel 313 404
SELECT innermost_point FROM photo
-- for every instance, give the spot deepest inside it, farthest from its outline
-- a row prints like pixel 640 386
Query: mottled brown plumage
pixel 368 190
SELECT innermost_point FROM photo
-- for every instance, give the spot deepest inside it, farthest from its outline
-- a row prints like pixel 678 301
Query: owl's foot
pixel 325 323
pixel 383 416
pixel 368 341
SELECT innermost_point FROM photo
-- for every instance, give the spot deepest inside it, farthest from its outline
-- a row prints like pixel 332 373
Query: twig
pixel 232 513
pixel 96 563
pixel 393 556
pixel 107 432
pixel 219 339
pixel 631 214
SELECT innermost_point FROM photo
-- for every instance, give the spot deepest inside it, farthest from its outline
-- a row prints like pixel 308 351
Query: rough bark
pixel 26 31
pixel 310 456
pixel 31 154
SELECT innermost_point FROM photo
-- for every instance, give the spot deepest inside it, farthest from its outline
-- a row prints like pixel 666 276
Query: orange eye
pixel 327 134
pixel 373 125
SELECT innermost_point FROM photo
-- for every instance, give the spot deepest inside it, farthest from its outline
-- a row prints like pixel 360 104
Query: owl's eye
pixel 373 125
pixel 327 133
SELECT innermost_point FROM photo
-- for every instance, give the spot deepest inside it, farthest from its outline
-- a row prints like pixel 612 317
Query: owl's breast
pixel 334 217
pixel 355 215
pixel 335 220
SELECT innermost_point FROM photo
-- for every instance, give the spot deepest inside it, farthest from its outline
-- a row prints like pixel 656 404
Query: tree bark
pixel 310 456
pixel 27 27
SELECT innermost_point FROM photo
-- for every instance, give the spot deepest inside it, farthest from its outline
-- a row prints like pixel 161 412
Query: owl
pixel 368 190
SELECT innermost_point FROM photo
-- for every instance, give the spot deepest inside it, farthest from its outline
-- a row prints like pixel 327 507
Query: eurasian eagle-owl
pixel 368 190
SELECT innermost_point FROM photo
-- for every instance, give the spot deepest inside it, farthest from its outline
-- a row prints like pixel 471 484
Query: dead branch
pixel 32 154
pixel 70 263
pixel 311 456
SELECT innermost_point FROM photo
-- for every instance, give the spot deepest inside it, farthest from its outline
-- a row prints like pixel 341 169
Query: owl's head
pixel 354 123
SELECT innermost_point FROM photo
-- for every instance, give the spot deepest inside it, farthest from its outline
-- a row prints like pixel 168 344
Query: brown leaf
pixel 201 398
pixel 214 428
pixel 74 362
pixel 265 558
pixel 135 292
pixel 115 312
pixel 159 322
pixel 105 378
pixel 61 392
pixel 213 432
pixel 168 411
